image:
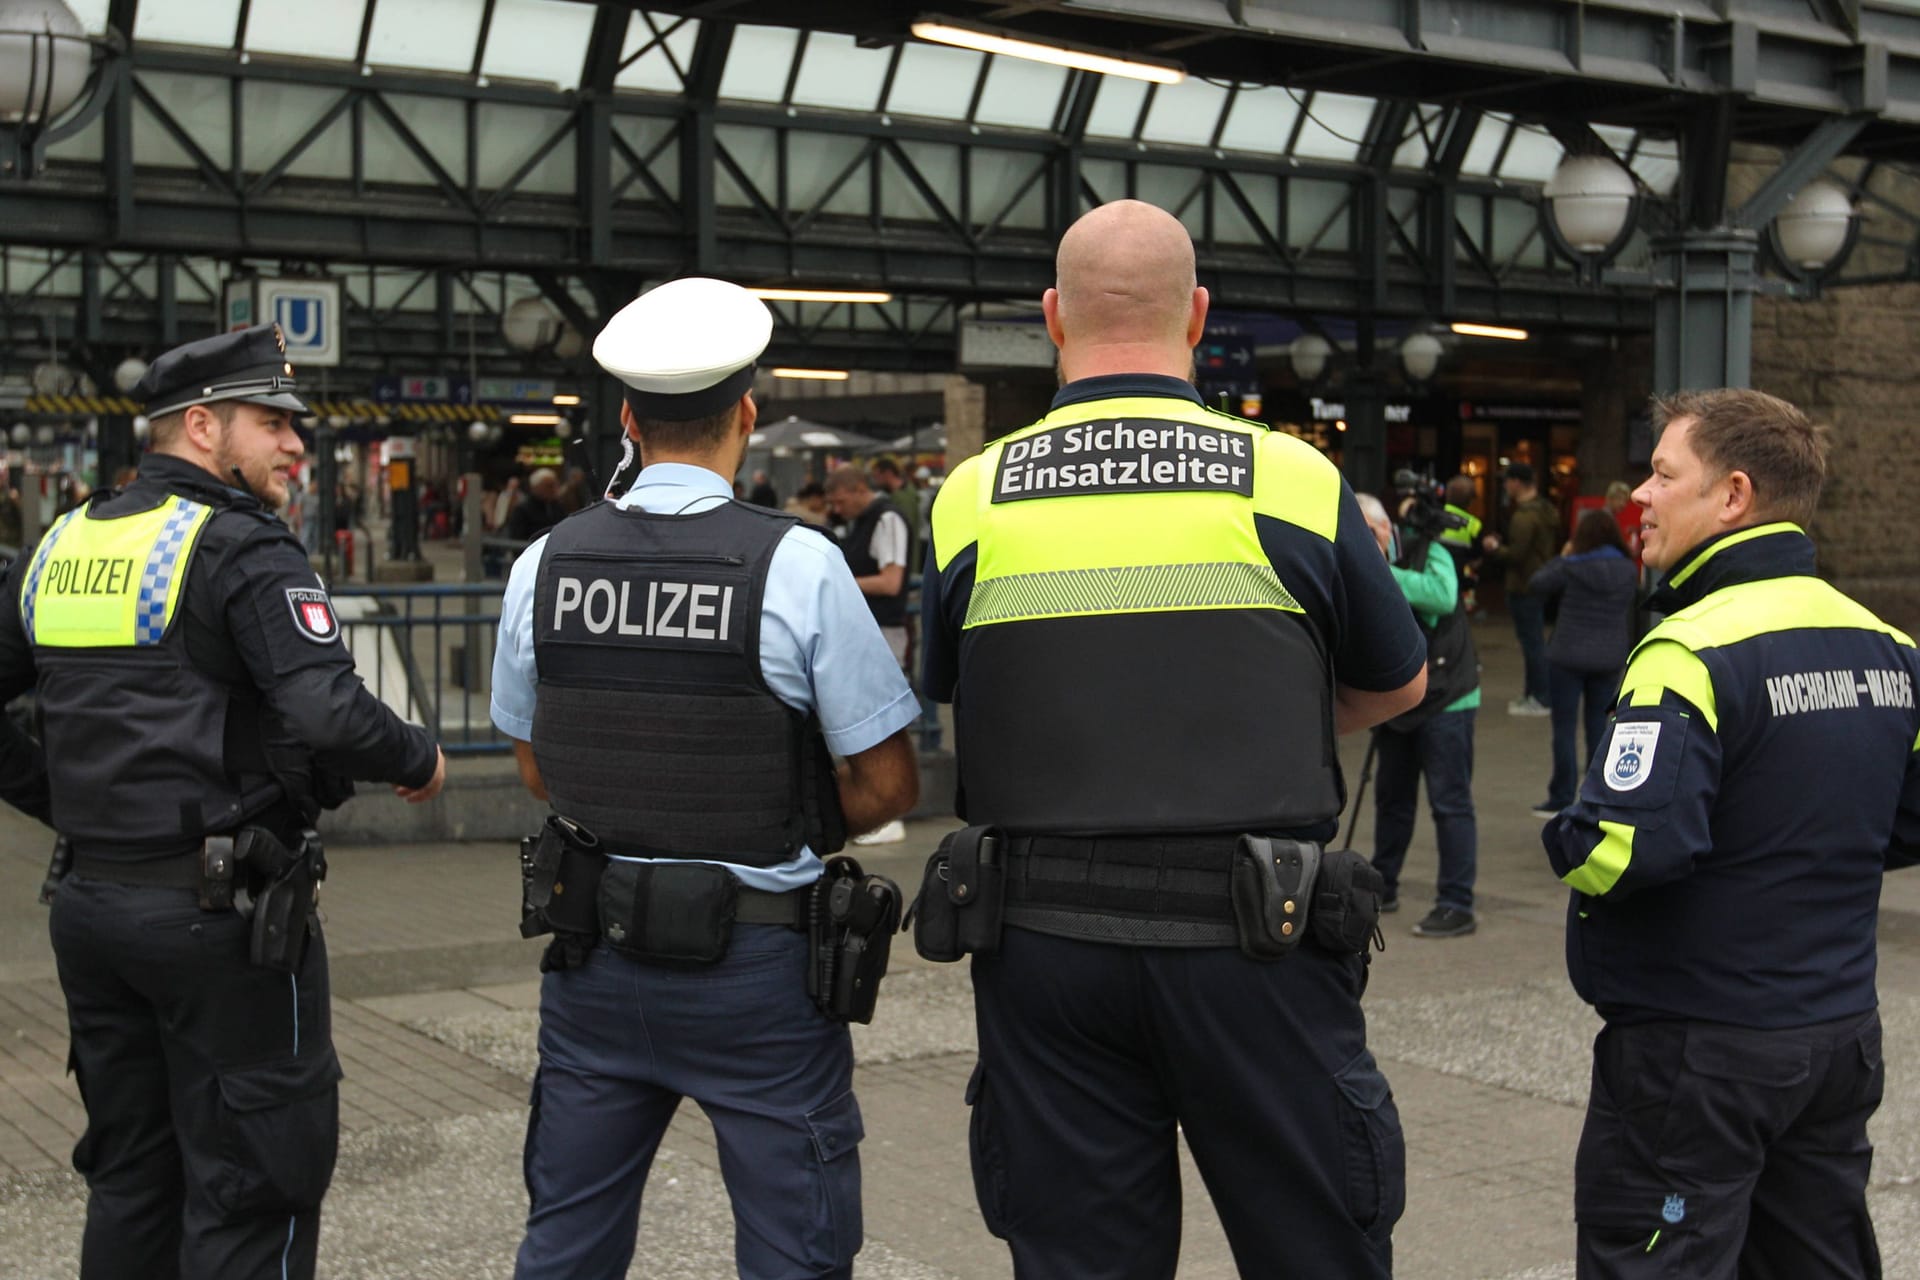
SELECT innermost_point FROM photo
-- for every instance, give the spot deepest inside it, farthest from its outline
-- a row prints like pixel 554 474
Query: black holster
pixel 961 906
pixel 559 891
pixel 285 907
pixel 1272 886
pixel 852 918
pixel 57 867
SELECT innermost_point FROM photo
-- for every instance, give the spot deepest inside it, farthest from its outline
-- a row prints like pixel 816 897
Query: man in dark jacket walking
pixel 1532 533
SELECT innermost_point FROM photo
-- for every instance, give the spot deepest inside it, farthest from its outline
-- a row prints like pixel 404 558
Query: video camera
pixel 1426 517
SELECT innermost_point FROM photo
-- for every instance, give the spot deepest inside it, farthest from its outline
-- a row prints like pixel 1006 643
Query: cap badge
pixel 279 339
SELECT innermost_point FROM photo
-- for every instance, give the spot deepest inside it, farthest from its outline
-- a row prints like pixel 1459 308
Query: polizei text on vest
pixel 86 576
pixel 674 610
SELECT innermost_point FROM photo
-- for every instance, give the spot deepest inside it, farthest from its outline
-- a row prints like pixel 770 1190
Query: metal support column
pixel 1703 313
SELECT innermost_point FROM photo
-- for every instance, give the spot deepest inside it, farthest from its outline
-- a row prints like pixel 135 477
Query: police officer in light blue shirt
pixel 673 666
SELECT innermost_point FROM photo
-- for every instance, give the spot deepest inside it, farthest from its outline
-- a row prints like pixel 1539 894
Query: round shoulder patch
pixel 313 614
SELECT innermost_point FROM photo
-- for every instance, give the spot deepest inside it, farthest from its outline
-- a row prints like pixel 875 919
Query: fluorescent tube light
pixel 942 30
pixel 821 375
pixel 821 295
pixel 1488 331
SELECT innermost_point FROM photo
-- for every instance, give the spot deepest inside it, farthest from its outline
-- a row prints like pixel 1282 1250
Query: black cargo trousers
pixel 210 1083
pixel 1712 1152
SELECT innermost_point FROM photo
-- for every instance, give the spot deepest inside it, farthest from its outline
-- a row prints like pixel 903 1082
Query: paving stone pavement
pixel 435 1013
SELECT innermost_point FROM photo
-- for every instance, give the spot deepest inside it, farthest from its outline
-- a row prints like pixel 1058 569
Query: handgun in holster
pixel 853 919
pixel 288 897
pixel 559 875
pixel 57 868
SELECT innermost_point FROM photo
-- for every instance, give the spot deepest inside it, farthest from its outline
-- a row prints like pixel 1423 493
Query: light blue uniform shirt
pixel 820 649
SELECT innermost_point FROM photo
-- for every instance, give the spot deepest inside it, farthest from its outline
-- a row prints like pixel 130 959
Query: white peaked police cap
pixel 686 349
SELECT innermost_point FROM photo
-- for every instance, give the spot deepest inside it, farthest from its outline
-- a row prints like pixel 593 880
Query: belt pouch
pixel 962 897
pixel 676 912
pixel 1272 885
pixel 57 868
pixel 216 873
pixel 1346 907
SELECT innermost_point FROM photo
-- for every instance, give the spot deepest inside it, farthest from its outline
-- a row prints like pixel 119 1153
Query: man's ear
pixel 749 414
pixel 1050 309
pixel 1738 501
pixel 201 428
pixel 1197 316
pixel 627 423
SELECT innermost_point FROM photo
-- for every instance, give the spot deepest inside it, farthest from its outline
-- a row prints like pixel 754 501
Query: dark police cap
pixel 248 365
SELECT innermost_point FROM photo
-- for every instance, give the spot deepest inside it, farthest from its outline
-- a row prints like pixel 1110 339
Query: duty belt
pixel 1170 891
pixel 176 871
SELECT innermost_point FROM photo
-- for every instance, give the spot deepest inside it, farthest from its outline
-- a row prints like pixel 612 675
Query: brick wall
pixel 1852 361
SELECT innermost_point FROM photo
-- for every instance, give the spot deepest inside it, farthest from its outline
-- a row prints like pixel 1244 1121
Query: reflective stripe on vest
pixel 112 583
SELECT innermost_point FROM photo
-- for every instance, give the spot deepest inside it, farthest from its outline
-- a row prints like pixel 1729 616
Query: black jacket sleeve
pixel 306 674
pixel 23 769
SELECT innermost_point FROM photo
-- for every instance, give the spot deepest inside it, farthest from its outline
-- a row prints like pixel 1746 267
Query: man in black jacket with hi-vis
pixel 1725 854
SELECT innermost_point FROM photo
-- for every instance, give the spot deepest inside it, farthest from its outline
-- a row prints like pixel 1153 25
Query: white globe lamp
pixel 1590 199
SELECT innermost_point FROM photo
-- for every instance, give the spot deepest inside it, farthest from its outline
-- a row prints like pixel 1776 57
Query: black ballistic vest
pixel 654 727
pixel 888 611
pixel 147 753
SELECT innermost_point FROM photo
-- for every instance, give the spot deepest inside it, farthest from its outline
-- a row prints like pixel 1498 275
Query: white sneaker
pixel 892 833
pixel 1528 707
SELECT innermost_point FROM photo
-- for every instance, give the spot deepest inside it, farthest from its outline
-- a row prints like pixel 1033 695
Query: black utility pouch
pixel 217 865
pixel 1272 889
pixel 854 917
pixel 1346 908
pixel 673 912
pixel 962 898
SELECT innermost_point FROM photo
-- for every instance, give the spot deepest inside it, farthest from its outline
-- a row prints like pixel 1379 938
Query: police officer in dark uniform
pixel 199 710
pixel 1725 855
pixel 675 666
pixel 1151 620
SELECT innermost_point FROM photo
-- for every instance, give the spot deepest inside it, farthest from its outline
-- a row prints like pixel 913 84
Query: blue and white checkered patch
pixel 150 605
pixel 31 597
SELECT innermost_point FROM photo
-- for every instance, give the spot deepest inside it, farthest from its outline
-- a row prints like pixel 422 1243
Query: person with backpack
pixel 1434 739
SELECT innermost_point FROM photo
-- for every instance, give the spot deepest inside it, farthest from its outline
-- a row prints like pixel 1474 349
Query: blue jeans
pixel 622 1042
pixel 1442 749
pixel 1530 625
pixel 1568 688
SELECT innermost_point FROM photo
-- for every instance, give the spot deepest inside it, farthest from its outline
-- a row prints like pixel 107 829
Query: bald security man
pixel 1151 619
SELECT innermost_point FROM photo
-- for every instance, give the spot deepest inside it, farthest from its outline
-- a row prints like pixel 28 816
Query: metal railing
pixel 427 652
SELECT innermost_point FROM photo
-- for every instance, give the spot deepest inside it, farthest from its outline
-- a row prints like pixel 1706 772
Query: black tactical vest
pixel 146 753
pixel 888 611
pixel 653 726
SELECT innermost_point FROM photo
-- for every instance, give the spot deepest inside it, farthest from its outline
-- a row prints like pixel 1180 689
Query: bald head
pixel 1125 292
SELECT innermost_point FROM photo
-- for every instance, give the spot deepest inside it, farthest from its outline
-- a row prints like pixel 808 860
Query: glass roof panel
pixel 538 40
pixel 1657 164
pixel 1262 120
pixel 91 13
pixel 758 62
pixel 1533 157
pixel 934 80
pixel 1187 112
pixel 1486 144
pixel 1336 126
pixel 836 72
pixel 1021 93
pixel 312 31
pixel 668 54
pixel 1416 149
pixel 435 35
pixel 1116 107
pixel 208 22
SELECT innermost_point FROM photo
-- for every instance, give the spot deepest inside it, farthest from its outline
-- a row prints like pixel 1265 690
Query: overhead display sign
pixel 1005 344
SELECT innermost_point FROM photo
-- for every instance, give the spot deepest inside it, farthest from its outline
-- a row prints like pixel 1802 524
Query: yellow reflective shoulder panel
pixel 1295 482
pixel 956 517
pixel 1665 662
pixel 114 583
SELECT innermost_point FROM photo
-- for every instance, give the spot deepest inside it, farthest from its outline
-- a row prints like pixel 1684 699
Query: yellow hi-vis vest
pixel 1131 659
pixel 136 735
pixel 106 584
